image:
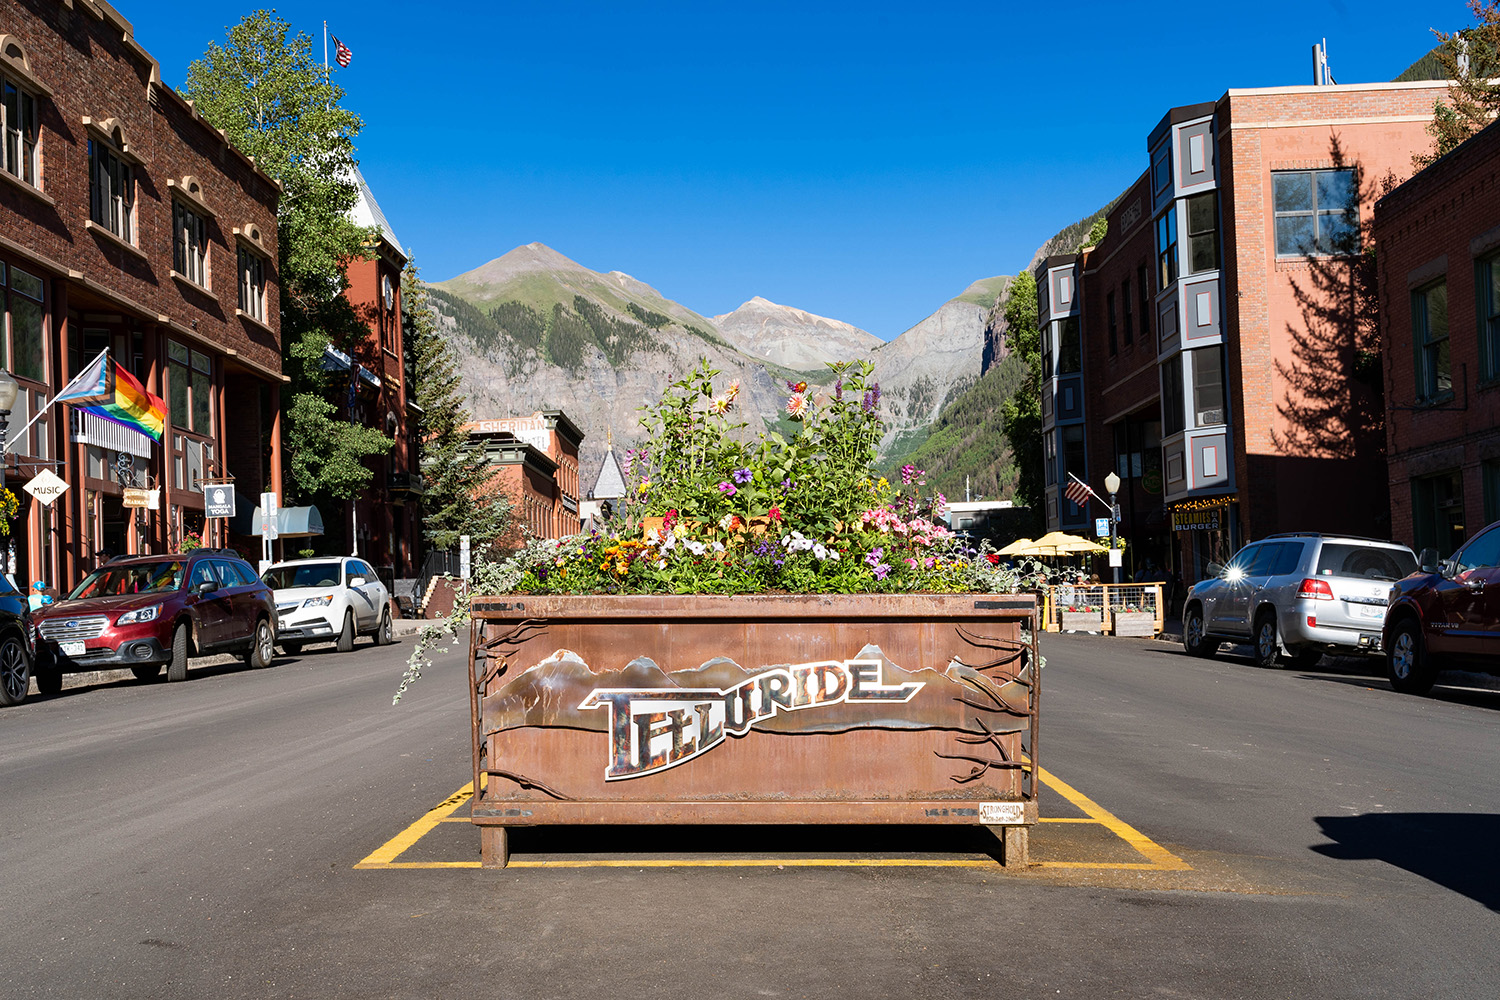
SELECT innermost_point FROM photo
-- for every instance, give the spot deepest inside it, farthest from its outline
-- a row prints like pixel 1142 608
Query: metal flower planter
pixel 902 709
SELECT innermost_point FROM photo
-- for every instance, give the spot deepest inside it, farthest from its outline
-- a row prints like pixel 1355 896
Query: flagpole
pixel 41 410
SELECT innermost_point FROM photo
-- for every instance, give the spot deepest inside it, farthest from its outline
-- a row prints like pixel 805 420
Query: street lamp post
pixel 1112 484
pixel 9 387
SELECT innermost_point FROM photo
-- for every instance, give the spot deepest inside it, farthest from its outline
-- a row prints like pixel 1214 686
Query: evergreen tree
pixel 263 88
pixel 1022 413
pixel 458 495
pixel 1470 59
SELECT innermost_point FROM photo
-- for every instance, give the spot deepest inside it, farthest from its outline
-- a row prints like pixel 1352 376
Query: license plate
pixel 1369 611
pixel 74 648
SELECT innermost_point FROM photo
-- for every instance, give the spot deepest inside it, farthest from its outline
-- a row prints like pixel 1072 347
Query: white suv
pixel 331 599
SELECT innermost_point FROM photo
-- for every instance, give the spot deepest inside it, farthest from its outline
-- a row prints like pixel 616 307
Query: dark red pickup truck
pixel 145 611
pixel 1446 617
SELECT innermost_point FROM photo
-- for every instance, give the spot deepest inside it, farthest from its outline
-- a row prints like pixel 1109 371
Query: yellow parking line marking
pixel 1161 858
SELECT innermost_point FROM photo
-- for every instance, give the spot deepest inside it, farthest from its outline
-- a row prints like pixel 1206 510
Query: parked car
pixel 1446 615
pixel 144 612
pixel 331 599
pixel 15 645
pixel 1297 596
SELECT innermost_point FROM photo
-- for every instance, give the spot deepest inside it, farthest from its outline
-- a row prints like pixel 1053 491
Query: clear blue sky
pixel 861 161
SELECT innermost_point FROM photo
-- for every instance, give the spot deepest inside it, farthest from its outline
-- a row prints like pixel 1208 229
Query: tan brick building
pixel 1246 216
pixel 127 222
pixel 1439 264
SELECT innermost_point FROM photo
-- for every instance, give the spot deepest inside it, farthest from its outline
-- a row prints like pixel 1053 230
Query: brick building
pixel 127 222
pixel 385 518
pixel 1439 271
pixel 535 462
pixel 1235 406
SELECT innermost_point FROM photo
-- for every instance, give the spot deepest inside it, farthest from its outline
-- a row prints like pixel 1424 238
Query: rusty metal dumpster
pixel 827 709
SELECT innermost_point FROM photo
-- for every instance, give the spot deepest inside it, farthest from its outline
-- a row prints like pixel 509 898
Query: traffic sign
pixel 1101 527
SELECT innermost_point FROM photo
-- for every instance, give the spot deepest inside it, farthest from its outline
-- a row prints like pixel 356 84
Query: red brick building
pixel 535 462
pixel 385 518
pixel 127 222
pixel 1248 218
pixel 1439 269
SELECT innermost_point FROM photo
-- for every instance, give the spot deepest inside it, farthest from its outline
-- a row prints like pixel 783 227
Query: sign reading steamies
pixel 1207 519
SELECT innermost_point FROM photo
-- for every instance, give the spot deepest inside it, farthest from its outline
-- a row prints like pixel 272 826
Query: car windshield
pixel 302 575
pixel 130 578
pixel 1368 561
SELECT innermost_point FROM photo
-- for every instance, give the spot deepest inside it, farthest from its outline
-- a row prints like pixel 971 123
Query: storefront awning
pixel 292 522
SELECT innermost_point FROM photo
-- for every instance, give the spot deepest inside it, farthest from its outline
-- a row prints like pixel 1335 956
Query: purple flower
pixel 728 489
pixel 873 559
pixel 741 476
pixel 838 389
pixel 868 402
pixel 881 571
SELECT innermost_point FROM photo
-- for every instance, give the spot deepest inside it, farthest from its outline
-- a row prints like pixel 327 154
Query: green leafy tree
pixel 275 103
pixel 1021 415
pixel 458 496
pixel 1470 59
pixel 1096 233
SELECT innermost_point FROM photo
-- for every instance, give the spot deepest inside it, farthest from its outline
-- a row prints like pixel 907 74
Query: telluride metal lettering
pixel 653 729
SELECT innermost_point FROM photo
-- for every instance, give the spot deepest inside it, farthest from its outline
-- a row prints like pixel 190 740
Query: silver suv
pixel 1297 596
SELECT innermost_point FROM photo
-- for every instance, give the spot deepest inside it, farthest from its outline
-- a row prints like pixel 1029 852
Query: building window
pixel 1203 232
pixel 1208 386
pixel 1429 328
pixel 252 285
pixel 190 378
pixel 1049 449
pixel 19 128
pixel 1437 512
pixel 21 299
pixel 111 191
pixel 1166 247
pixel 1161 169
pixel 1069 347
pixel 1143 284
pixel 1114 343
pixel 1317 212
pixel 1129 313
pixel 189 244
pixel 1490 471
pixel 1487 281
pixel 1048 334
pixel 1172 416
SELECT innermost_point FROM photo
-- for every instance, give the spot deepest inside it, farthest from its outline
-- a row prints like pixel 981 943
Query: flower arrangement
pixel 710 510
pixel 10 506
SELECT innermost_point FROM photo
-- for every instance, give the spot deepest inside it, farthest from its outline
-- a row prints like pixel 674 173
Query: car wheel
pixel 292 648
pixel 262 646
pixel 1267 649
pixel 15 672
pixel 1406 661
pixel 383 633
pixel 346 635
pixel 1305 659
pixel 147 671
pixel 177 669
pixel 1194 638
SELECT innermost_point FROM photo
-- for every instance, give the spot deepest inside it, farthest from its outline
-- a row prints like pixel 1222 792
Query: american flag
pixel 341 53
pixel 1078 491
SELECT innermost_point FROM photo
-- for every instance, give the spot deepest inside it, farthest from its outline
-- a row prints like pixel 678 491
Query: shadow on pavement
pixel 1455 850
pixel 755 841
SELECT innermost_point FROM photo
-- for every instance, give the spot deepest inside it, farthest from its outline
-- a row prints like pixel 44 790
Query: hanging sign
pixel 135 497
pixel 46 486
pixel 218 500
pixel 1207 519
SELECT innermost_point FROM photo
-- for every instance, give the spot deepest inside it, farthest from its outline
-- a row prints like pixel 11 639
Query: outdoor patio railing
pixel 1101 600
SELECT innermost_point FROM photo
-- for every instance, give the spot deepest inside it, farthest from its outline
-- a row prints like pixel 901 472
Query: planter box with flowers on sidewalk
pixel 767 632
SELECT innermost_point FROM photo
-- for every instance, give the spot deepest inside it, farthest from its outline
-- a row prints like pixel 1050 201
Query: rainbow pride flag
pixel 109 391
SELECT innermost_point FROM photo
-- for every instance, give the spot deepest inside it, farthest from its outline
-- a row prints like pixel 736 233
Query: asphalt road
pixel 200 839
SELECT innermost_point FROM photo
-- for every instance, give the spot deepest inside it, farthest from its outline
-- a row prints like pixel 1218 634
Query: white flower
pixel 718 546
pixel 819 551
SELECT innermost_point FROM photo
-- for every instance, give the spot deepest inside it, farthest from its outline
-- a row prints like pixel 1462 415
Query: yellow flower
pixel 645 485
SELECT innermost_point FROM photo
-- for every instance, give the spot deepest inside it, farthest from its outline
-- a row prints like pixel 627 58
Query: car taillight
pixel 1317 590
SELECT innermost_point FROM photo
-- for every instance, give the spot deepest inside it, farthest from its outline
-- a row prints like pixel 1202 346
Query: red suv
pixel 145 611
pixel 1448 615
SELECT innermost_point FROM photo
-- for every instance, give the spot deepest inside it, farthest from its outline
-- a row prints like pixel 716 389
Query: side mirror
pixel 357 581
pixel 1214 569
pixel 1428 559
pixel 206 587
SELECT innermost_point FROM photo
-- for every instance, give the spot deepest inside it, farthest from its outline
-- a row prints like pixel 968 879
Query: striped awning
pixel 91 429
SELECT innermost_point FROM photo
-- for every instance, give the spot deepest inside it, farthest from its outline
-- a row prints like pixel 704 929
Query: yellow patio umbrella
pixel 1058 543
pixel 1016 548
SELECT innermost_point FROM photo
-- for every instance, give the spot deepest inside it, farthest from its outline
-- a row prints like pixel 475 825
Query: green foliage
pixel 458 497
pixel 968 445
pixel 274 102
pixel 654 320
pixel 525 326
pixel 1470 59
pixel 479 328
pixel 617 338
pixel 1021 415
pixel 712 338
pixel 567 339
pixel 1429 67
pixel 1096 234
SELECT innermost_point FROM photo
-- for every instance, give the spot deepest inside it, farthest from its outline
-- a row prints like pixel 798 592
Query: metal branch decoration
pixel 982 765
